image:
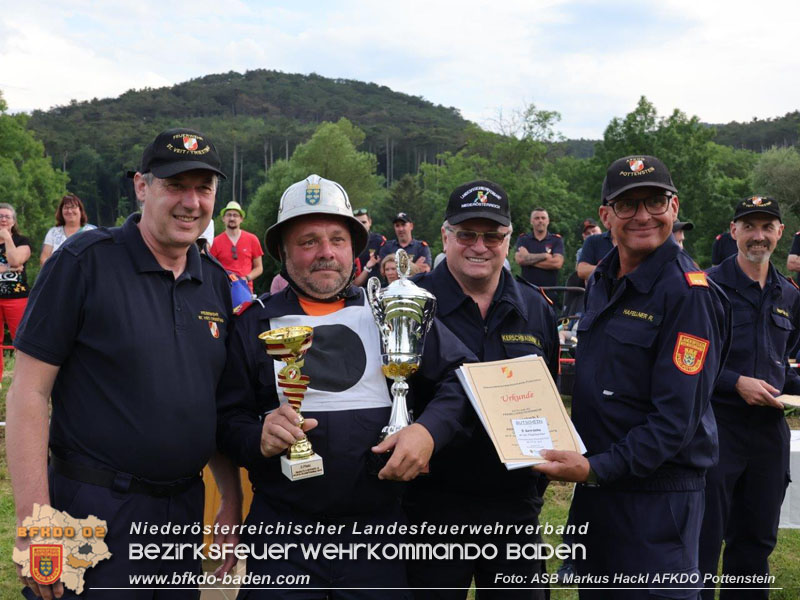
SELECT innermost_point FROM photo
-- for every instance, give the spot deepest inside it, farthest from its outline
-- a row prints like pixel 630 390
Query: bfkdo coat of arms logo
pixel 46 562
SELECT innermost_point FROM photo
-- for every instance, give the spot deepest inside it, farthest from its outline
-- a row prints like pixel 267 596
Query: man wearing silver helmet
pixel 347 403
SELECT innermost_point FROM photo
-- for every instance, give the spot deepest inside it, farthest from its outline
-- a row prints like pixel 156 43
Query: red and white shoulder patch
pixel 690 353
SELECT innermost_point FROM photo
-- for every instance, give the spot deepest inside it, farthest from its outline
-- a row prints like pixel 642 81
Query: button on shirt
pixel 415 249
pixel 640 403
pixel 140 352
pixel 764 330
pixel 551 244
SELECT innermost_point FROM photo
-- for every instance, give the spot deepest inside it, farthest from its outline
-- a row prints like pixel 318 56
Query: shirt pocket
pixel 780 328
pixel 626 369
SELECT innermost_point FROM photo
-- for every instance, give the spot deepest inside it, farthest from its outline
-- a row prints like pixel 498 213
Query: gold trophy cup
pixel 289 345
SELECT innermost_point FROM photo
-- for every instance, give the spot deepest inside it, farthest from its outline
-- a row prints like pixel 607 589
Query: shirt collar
pixel 644 276
pixel 736 278
pixel 143 258
pixel 451 296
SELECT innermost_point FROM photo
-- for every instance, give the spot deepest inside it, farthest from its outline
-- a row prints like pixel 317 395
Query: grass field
pixel 785 561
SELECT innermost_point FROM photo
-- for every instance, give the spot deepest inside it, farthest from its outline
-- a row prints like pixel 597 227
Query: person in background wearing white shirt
pixel 71 218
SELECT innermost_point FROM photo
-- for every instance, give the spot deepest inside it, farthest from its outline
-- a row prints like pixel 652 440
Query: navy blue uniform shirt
pixel 335 363
pixel 595 247
pixel 551 244
pixel 764 330
pixel 374 245
pixel 415 249
pixel 723 247
pixel 140 352
pixel 520 322
pixel 650 346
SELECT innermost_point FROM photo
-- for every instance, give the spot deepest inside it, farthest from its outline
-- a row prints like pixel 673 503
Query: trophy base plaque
pixel 301 468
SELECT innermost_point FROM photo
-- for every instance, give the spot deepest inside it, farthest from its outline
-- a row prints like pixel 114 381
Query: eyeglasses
pixel 655 205
pixel 8 217
pixel 360 211
pixel 235 253
pixel 491 239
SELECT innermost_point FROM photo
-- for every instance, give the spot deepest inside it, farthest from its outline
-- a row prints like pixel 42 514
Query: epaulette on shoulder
pixel 696 278
pixel 798 233
pixel 424 243
pixel 558 235
pixel 720 235
pixel 213 260
pixel 525 282
pixel 790 280
pixel 78 244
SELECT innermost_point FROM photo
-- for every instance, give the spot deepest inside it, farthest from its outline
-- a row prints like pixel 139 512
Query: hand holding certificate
pixel 519 406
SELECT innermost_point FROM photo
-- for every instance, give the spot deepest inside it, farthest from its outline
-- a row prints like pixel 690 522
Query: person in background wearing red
pixel 237 250
pixel 15 250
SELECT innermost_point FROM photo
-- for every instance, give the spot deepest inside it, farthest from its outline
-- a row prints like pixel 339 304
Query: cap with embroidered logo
pixel 481 199
pixel 758 204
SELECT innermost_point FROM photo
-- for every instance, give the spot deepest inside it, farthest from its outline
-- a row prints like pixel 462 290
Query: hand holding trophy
pixel 403 313
pixel 289 345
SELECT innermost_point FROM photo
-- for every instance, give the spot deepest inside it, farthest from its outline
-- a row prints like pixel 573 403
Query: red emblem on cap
pixel 636 164
pixel 482 197
pixel 189 142
pixel 756 200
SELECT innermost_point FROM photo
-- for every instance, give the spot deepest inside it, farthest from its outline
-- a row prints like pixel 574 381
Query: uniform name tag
pixel 520 338
pixel 640 315
pixel 782 312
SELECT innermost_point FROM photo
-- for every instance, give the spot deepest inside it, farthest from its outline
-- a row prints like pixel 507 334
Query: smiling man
pixel 651 342
pixel 347 402
pixel 745 490
pixel 497 317
pixel 126 329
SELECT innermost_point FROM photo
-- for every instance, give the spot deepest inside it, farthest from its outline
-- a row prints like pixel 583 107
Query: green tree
pixel 330 153
pixel 777 173
pixel 27 179
pixel 700 170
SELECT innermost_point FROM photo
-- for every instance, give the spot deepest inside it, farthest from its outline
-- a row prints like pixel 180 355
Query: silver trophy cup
pixel 404 313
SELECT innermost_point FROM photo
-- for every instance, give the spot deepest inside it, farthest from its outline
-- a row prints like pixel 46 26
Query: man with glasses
pixel 497 317
pixel 239 251
pixel 652 341
pixel 370 257
pixel 745 489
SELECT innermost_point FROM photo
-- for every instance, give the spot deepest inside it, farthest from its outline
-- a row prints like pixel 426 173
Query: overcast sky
pixel 589 60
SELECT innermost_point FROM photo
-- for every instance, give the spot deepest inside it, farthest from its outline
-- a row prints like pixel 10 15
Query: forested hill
pixel 258 117
pixel 760 134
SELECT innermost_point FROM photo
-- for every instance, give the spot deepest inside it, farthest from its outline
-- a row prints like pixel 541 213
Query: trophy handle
pixel 373 287
pixel 428 313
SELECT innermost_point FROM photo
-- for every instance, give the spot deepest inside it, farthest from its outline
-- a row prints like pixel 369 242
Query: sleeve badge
pixel 690 353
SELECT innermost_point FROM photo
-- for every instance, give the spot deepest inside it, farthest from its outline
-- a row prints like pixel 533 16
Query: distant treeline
pixel 392 152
